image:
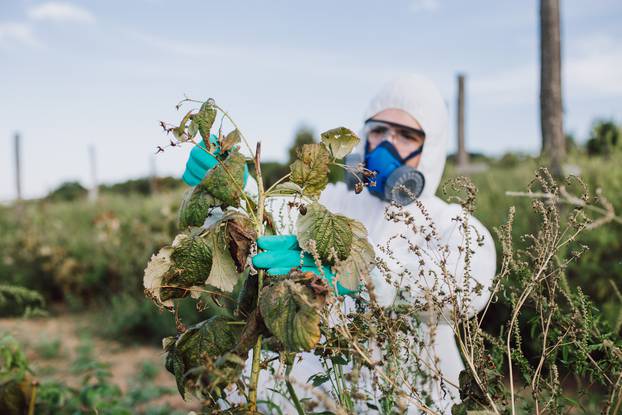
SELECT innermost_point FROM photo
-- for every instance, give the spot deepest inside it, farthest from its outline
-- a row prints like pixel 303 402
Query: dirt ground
pixel 69 331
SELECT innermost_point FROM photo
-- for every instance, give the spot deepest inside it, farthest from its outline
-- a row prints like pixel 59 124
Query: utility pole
pixel 551 111
pixel 463 156
pixel 18 168
pixel 94 191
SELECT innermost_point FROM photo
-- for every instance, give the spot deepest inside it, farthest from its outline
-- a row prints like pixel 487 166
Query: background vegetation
pixel 64 253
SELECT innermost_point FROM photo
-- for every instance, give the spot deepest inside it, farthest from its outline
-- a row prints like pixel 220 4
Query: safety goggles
pixel 377 131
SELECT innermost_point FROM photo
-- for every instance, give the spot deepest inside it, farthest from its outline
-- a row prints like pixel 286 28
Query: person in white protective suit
pixel 404 139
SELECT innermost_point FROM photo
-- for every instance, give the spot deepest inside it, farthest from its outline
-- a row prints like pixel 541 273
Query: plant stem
pixel 278 182
pixel 252 395
pixel 226 114
pixel 292 391
pixel 33 398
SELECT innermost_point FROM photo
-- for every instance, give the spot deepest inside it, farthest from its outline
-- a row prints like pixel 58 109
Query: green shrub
pixel 604 138
pixel 79 252
pixel 600 265
pixel 68 191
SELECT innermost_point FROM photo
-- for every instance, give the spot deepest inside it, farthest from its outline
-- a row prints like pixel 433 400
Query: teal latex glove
pixel 200 162
pixel 282 253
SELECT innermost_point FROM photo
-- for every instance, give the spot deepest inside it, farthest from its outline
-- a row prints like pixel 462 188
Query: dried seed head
pixel 358 187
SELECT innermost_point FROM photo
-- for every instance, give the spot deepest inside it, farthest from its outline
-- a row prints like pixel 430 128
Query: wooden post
pixel 94 190
pixel 18 168
pixel 463 156
pixel 551 113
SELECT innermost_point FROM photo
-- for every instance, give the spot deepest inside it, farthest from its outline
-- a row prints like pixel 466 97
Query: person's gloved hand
pixel 282 253
pixel 200 162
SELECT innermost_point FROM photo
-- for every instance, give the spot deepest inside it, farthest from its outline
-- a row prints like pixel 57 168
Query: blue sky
pixel 80 73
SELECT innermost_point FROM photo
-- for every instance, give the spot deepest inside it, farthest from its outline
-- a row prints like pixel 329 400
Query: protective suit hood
pixel 419 97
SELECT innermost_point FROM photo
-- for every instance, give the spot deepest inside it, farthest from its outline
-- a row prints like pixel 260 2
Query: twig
pixel 607 212
pixel 259 225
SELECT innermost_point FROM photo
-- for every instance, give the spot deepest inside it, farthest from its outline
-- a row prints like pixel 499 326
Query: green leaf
pixel 193 129
pixel 195 207
pixel 340 141
pixel 310 171
pixel 359 262
pixel 291 312
pixel 204 120
pixel 219 181
pixel 287 188
pixel 331 232
pixel 223 274
pixel 318 379
pixel 231 139
pixel 247 298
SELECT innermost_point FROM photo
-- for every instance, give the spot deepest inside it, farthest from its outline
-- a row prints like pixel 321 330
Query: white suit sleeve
pixel 436 275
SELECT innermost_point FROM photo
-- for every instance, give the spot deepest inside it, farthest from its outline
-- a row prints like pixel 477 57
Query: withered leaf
pixel 222 274
pixel 156 269
pixel 191 263
pixel 213 337
pixel 331 232
pixel 340 141
pixel 204 120
pixel 291 312
pixel 310 171
pixel 241 235
pixel 230 140
pixel 359 262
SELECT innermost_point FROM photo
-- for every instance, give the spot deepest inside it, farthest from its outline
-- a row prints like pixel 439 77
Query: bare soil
pixel 71 330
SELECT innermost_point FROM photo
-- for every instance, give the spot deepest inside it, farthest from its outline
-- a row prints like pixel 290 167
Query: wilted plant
pixel 378 358
pixel 210 260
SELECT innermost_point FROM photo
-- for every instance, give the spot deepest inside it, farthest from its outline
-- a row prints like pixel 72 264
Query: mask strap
pixel 413 154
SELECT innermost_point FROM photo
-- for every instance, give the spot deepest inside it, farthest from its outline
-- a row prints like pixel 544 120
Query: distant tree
pixel 68 191
pixel 142 185
pixel 604 136
pixel 273 170
pixel 551 112
pixel 304 135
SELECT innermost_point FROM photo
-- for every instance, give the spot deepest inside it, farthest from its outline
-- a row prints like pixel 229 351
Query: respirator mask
pixel 394 180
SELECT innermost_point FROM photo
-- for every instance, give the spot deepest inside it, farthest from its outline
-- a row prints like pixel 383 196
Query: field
pixel 86 261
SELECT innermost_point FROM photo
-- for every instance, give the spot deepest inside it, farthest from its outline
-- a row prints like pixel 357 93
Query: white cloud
pixel 595 68
pixel 61 12
pixel 591 69
pixel 12 33
pixel 424 5
pixel 519 84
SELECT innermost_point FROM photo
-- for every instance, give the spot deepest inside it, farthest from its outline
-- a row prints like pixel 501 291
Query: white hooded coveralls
pixel 420 98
